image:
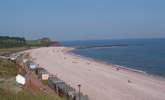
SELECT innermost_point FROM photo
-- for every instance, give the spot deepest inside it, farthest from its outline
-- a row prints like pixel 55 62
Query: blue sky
pixel 83 19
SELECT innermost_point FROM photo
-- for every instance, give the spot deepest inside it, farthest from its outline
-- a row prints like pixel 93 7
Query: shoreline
pixel 70 51
pixel 100 81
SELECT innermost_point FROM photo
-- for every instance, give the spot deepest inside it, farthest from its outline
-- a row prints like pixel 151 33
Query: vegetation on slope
pixel 8 68
pixel 39 42
pixel 11 90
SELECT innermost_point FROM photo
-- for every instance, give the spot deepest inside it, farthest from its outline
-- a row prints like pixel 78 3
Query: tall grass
pixel 8 68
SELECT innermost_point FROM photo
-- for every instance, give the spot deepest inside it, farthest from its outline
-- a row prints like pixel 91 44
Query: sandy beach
pixel 99 81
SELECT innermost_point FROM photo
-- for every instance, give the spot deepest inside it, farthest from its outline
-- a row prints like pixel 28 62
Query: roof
pixel 42 70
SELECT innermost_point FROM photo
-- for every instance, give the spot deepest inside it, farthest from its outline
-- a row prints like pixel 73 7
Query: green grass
pixel 25 95
pixel 36 43
pixel 8 68
pixel 33 42
pixel 45 82
pixel 8 71
pixel 11 90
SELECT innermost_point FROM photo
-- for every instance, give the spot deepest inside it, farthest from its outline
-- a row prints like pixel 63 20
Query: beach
pixel 98 80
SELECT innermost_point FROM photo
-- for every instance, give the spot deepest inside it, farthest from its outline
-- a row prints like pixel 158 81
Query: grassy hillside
pixel 8 69
pixel 11 90
pixel 38 42
pixel 25 95
pixel 33 42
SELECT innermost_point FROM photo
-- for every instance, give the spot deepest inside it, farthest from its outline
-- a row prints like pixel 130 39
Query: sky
pixel 83 19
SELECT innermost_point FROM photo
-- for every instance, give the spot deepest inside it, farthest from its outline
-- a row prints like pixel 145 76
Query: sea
pixel 146 55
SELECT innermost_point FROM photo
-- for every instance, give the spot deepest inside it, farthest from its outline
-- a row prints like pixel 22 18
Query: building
pixel 42 73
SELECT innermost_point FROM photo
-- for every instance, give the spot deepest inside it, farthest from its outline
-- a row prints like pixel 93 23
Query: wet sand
pixel 99 81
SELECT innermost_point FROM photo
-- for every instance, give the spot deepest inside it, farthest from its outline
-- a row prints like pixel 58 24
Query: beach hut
pixel 59 86
pixel 32 66
pixel 73 95
pixel 63 89
pixel 42 74
pixel 53 83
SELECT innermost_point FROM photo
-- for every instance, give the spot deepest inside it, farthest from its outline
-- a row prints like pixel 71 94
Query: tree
pixel 6 41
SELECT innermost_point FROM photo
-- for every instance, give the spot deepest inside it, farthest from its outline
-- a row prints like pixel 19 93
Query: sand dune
pixel 99 81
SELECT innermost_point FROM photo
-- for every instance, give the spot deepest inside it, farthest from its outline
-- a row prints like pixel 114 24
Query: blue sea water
pixel 141 54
